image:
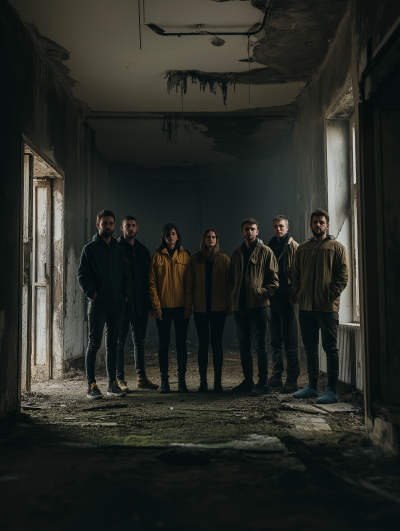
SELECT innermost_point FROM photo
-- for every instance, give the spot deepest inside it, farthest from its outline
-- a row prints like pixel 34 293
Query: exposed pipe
pixel 160 31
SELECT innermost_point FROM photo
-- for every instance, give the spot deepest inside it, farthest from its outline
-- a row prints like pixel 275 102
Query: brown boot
pixel 289 388
pixel 122 385
pixel 275 380
pixel 145 383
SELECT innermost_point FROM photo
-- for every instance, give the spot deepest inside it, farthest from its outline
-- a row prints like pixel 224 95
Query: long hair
pixel 202 254
pixel 164 235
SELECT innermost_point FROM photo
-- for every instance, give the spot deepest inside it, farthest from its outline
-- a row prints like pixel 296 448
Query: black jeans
pixel 310 324
pixel 283 332
pixel 210 327
pixel 181 326
pixel 99 316
pixel 138 325
pixel 251 325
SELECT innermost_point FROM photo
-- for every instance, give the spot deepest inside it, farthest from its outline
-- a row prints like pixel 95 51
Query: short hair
pixel 319 212
pixel 281 217
pixel 249 221
pixel 129 218
pixel 103 214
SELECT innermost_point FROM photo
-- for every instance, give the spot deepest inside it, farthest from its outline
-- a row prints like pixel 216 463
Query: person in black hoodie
pixel 283 322
pixel 138 308
pixel 103 277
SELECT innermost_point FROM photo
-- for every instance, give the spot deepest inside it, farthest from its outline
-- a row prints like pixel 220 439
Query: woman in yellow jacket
pixel 209 268
pixel 170 289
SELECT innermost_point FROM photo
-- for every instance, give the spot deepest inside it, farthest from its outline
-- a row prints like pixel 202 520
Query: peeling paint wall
pixel 35 103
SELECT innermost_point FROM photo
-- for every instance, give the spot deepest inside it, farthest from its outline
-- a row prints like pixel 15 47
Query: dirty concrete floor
pixel 196 461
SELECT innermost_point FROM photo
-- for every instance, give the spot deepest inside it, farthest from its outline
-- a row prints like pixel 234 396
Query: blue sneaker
pixel 307 392
pixel 329 397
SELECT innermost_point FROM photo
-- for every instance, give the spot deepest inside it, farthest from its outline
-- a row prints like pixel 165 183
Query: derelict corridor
pixel 202 113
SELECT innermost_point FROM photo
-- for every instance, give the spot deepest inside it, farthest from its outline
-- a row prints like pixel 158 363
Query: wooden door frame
pixel 59 175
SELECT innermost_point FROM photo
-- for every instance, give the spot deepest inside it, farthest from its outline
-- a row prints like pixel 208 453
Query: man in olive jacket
pixel 252 280
pixel 320 274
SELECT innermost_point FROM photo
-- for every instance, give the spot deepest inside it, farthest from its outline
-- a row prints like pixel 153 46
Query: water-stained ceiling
pixel 114 65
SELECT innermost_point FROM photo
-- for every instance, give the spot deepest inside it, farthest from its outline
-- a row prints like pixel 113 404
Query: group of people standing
pixel 260 286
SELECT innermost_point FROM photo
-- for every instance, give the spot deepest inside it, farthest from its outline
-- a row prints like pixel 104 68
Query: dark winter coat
pixel 103 269
pixel 139 258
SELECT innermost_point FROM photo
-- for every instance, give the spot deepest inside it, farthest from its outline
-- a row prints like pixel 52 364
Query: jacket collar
pixel 97 239
pixel 121 240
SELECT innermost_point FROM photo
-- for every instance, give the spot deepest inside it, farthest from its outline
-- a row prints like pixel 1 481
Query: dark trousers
pixel 251 325
pixel 310 324
pixel 283 332
pixel 138 324
pixel 210 328
pixel 181 326
pixel 98 317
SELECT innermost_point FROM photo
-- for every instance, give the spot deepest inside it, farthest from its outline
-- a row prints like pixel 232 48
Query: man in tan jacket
pixel 283 330
pixel 320 274
pixel 252 280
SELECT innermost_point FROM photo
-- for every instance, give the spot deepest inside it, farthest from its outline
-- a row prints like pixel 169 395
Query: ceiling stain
pixel 213 80
pixel 217 41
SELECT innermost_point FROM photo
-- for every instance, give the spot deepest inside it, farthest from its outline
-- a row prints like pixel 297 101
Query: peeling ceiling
pixel 111 63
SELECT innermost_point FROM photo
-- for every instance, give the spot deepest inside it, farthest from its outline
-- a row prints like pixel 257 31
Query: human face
pixel 106 227
pixel 280 228
pixel 319 226
pixel 250 232
pixel 171 239
pixel 210 239
pixel 129 228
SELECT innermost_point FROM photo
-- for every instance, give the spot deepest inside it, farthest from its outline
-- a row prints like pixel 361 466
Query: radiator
pixel 351 368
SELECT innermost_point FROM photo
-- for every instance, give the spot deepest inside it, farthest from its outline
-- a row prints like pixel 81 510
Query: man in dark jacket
pixel 252 280
pixel 104 278
pixel 283 322
pixel 138 308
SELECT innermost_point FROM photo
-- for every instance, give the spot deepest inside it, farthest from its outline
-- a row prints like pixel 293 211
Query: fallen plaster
pixel 251 442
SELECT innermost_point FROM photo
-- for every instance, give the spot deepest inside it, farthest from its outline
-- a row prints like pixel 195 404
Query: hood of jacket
pixel 98 239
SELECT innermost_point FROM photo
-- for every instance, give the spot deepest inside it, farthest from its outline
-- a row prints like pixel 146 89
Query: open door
pixel 27 274
pixel 41 274
pixel 42 309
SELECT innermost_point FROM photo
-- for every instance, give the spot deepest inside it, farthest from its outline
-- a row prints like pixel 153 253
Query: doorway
pixel 42 269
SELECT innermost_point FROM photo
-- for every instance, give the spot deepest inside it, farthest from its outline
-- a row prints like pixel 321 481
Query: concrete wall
pixel 35 103
pixel 310 154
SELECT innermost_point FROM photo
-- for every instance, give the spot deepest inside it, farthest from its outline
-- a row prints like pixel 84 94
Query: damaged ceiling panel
pixel 100 40
pixel 111 63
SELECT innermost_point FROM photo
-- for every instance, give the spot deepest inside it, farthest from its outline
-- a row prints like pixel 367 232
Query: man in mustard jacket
pixel 252 280
pixel 320 274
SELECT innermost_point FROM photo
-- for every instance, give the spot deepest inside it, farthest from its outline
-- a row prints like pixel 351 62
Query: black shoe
pixel 260 389
pixel 182 388
pixel 244 387
pixel 94 392
pixel 164 387
pixel 275 380
pixel 203 387
pixel 289 388
pixel 217 382
pixel 114 390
